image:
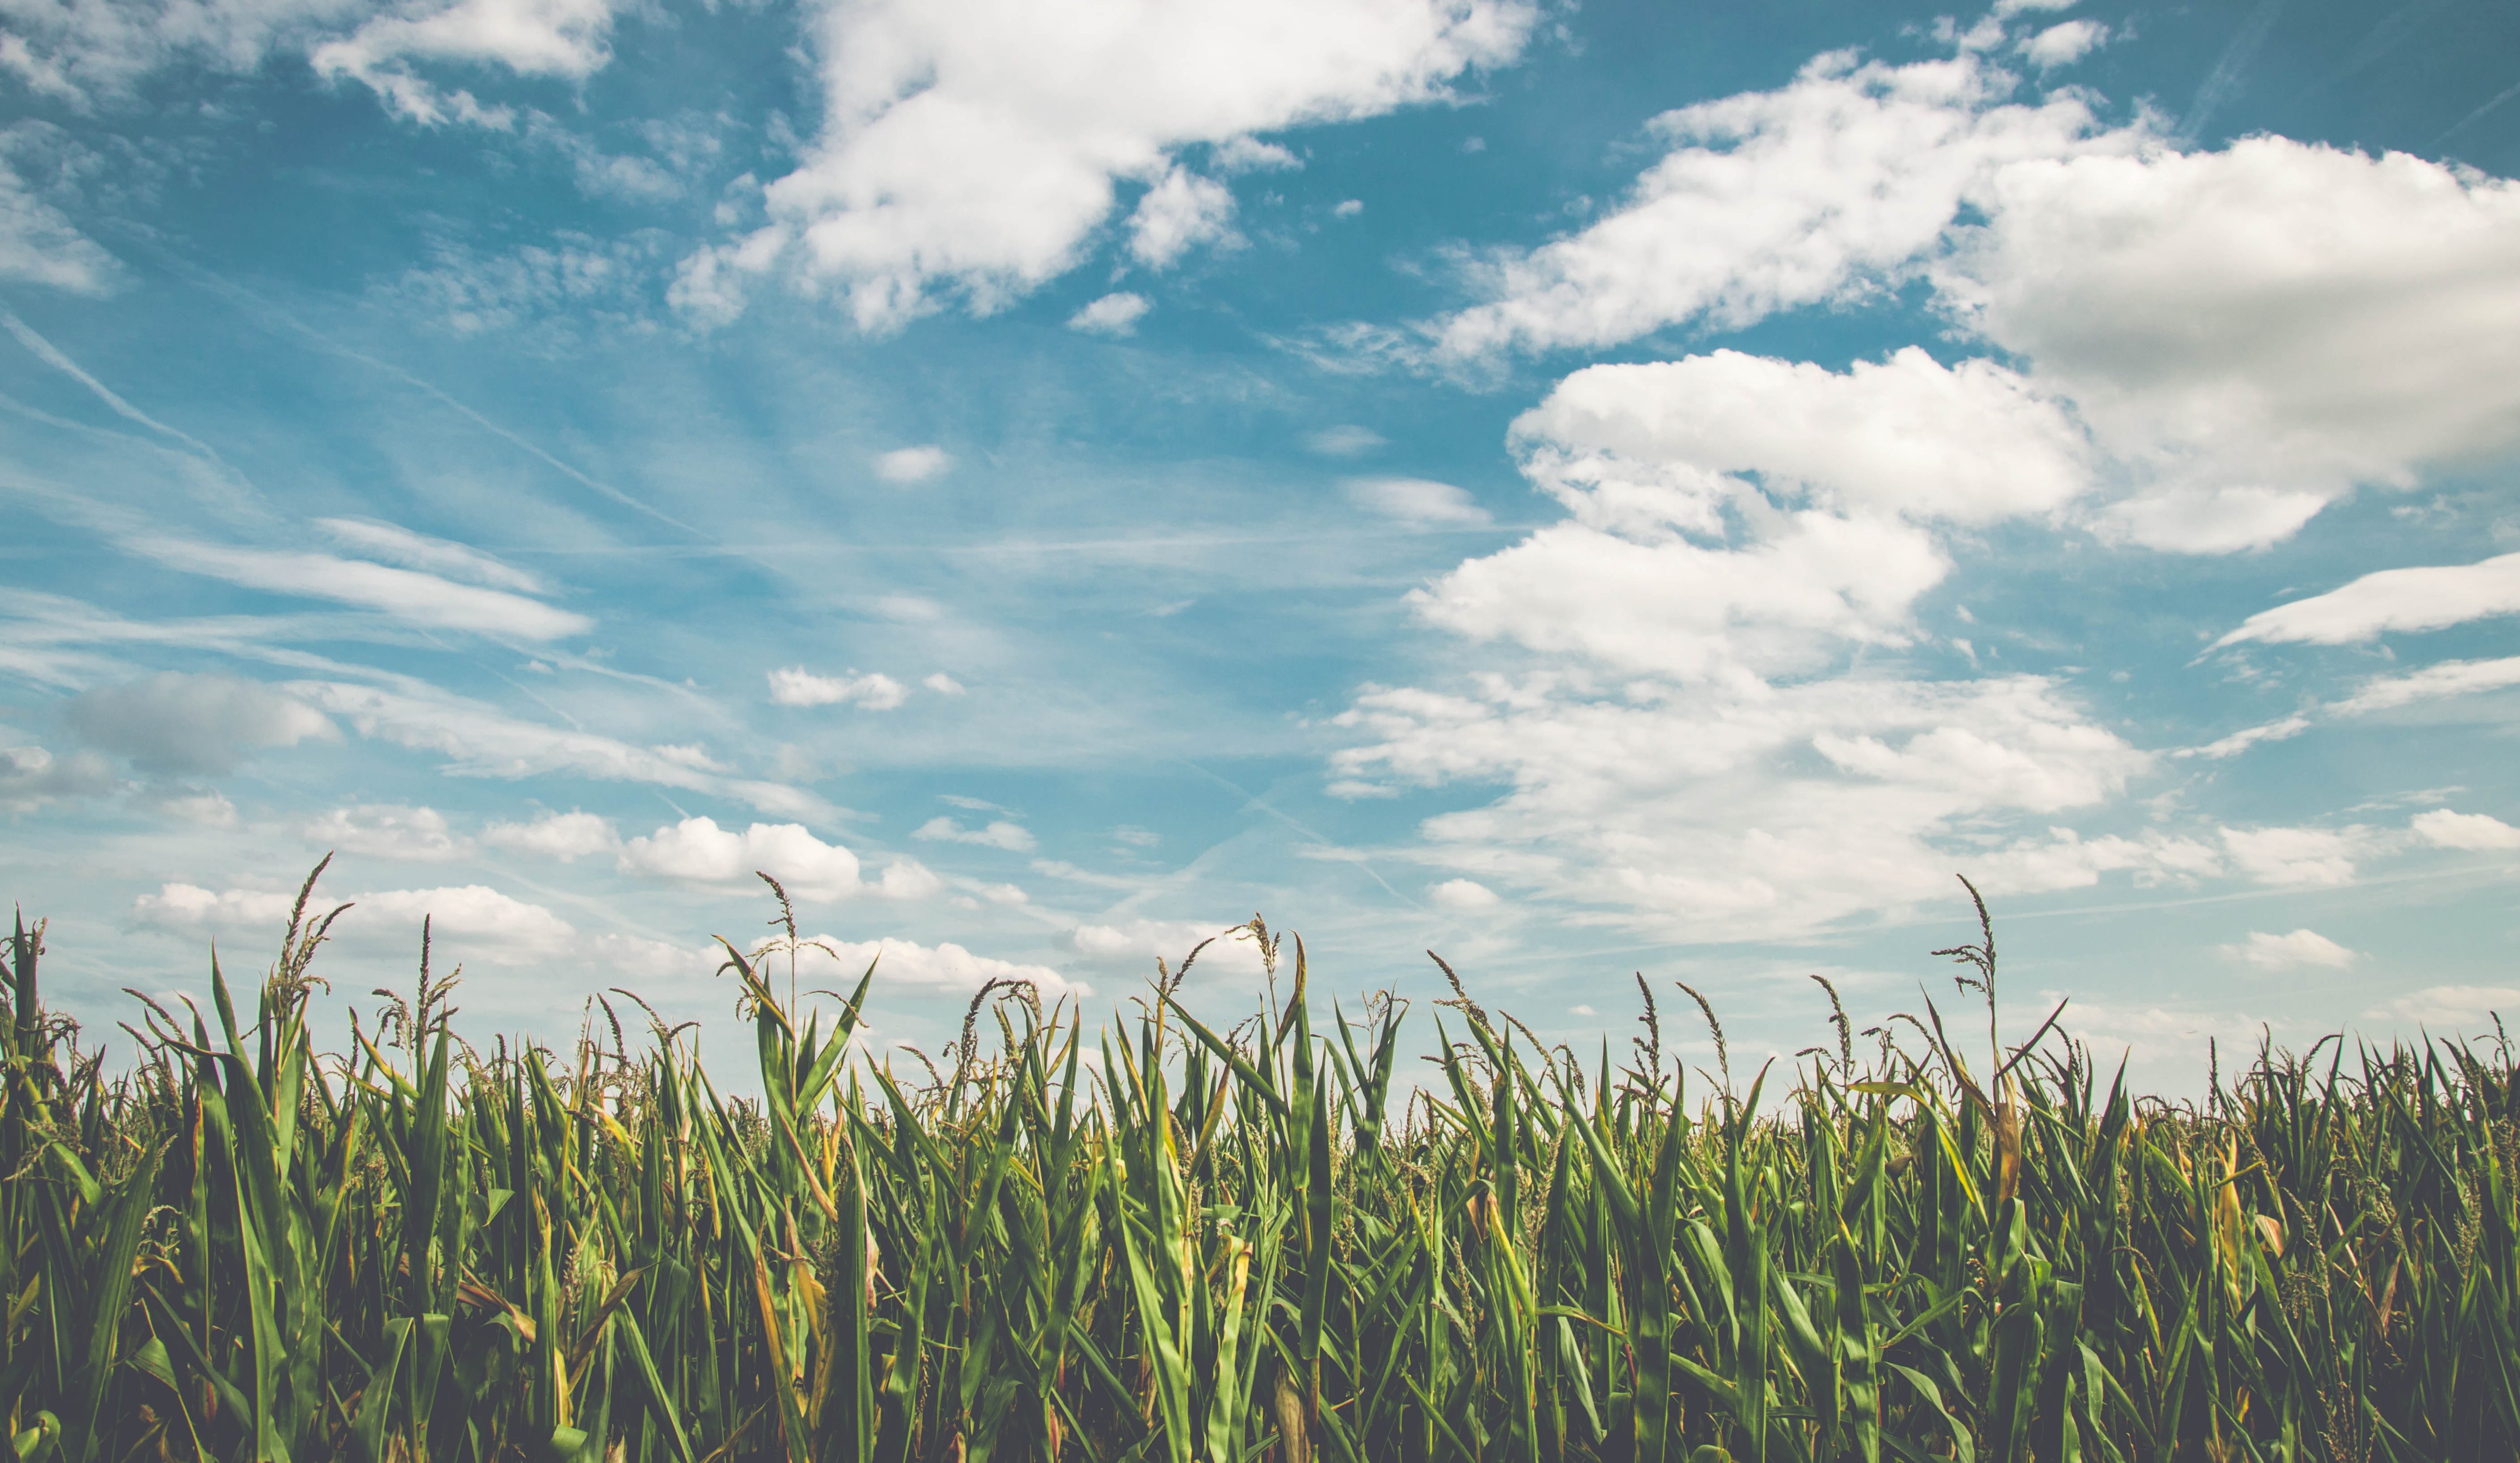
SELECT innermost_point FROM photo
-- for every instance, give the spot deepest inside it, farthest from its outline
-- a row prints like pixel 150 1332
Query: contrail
pixel 2224 78
pixel 51 355
pixel 2478 115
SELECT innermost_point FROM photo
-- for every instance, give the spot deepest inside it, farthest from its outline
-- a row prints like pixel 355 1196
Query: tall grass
pixel 1227 1245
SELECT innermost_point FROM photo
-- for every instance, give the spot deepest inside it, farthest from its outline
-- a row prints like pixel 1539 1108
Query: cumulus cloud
pixel 31 776
pixel 471 922
pixel 1730 510
pixel 913 464
pixel 1417 501
pixel 946 968
pixel 971 149
pixel 1464 895
pixel 2429 597
pixel 2062 44
pixel 1014 837
pixel 189 907
pixel 177 725
pixel 1768 201
pixel 2299 949
pixel 564 836
pixel 2260 328
pixel 1139 943
pixel 1180 213
pixel 698 851
pixel 2293 855
pixel 794 686
pixel 387 831
pixel 2443 828
pixel 2248 334
pixel 2448 1008
pixel 1116 314
pixel 1743 810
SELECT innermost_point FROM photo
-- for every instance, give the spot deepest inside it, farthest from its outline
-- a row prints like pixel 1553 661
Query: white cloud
pixel 1418 501
pixel 2428 597
pixel 907 879
pixel 2241 740
pixel 630 957
pixel 1250 154
pixel 79 51
pixel 1180 212
pixel 2443 828
pixel 387 831
pixel 794 686
pixel 2293 951
pixel 556 290
pixel 1116 314
pixel 413 551
pixel 2292 855
pixel 564 836
pixel 407 594
pixel 1011 836
pixel 1676 609
pixel 943 685
pixel 30 776
pixel 1646 447
pixel 946 968
pixel 911 464
pixel 1463 894
pixel 1138 943
pixel 1346 440
pixel 1732 511
pixel 698 851
pixel 2266 326
pixel 173 724
pixel 1773 199
pixel 1736 810
pixel 471 922
pixel 483 741
pixel 1348 208
pixel 181 906
pixel 2063 44
pixel 2450 678
pixel 693 755
pixel 2249 333
pixel 210 810
pixel 568 39
pixel 38 242
pixel 2468 1009
pixel 970 148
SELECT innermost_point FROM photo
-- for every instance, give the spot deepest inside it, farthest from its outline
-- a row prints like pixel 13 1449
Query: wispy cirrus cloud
pixel 420 598
pixel 2390 601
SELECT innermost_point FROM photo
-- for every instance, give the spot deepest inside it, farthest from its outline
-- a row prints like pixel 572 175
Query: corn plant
pixel 1167 1239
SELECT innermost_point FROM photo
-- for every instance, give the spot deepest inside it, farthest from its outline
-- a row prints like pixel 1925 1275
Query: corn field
pixel 1166 1241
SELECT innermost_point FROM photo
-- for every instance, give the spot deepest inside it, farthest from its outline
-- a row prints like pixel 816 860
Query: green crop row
pixel 1168 1242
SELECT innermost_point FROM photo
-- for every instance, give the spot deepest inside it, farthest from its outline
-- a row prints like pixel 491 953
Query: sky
pixel 1598 492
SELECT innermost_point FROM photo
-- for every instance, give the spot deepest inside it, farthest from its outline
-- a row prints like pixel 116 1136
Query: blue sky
pixel 1586 490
